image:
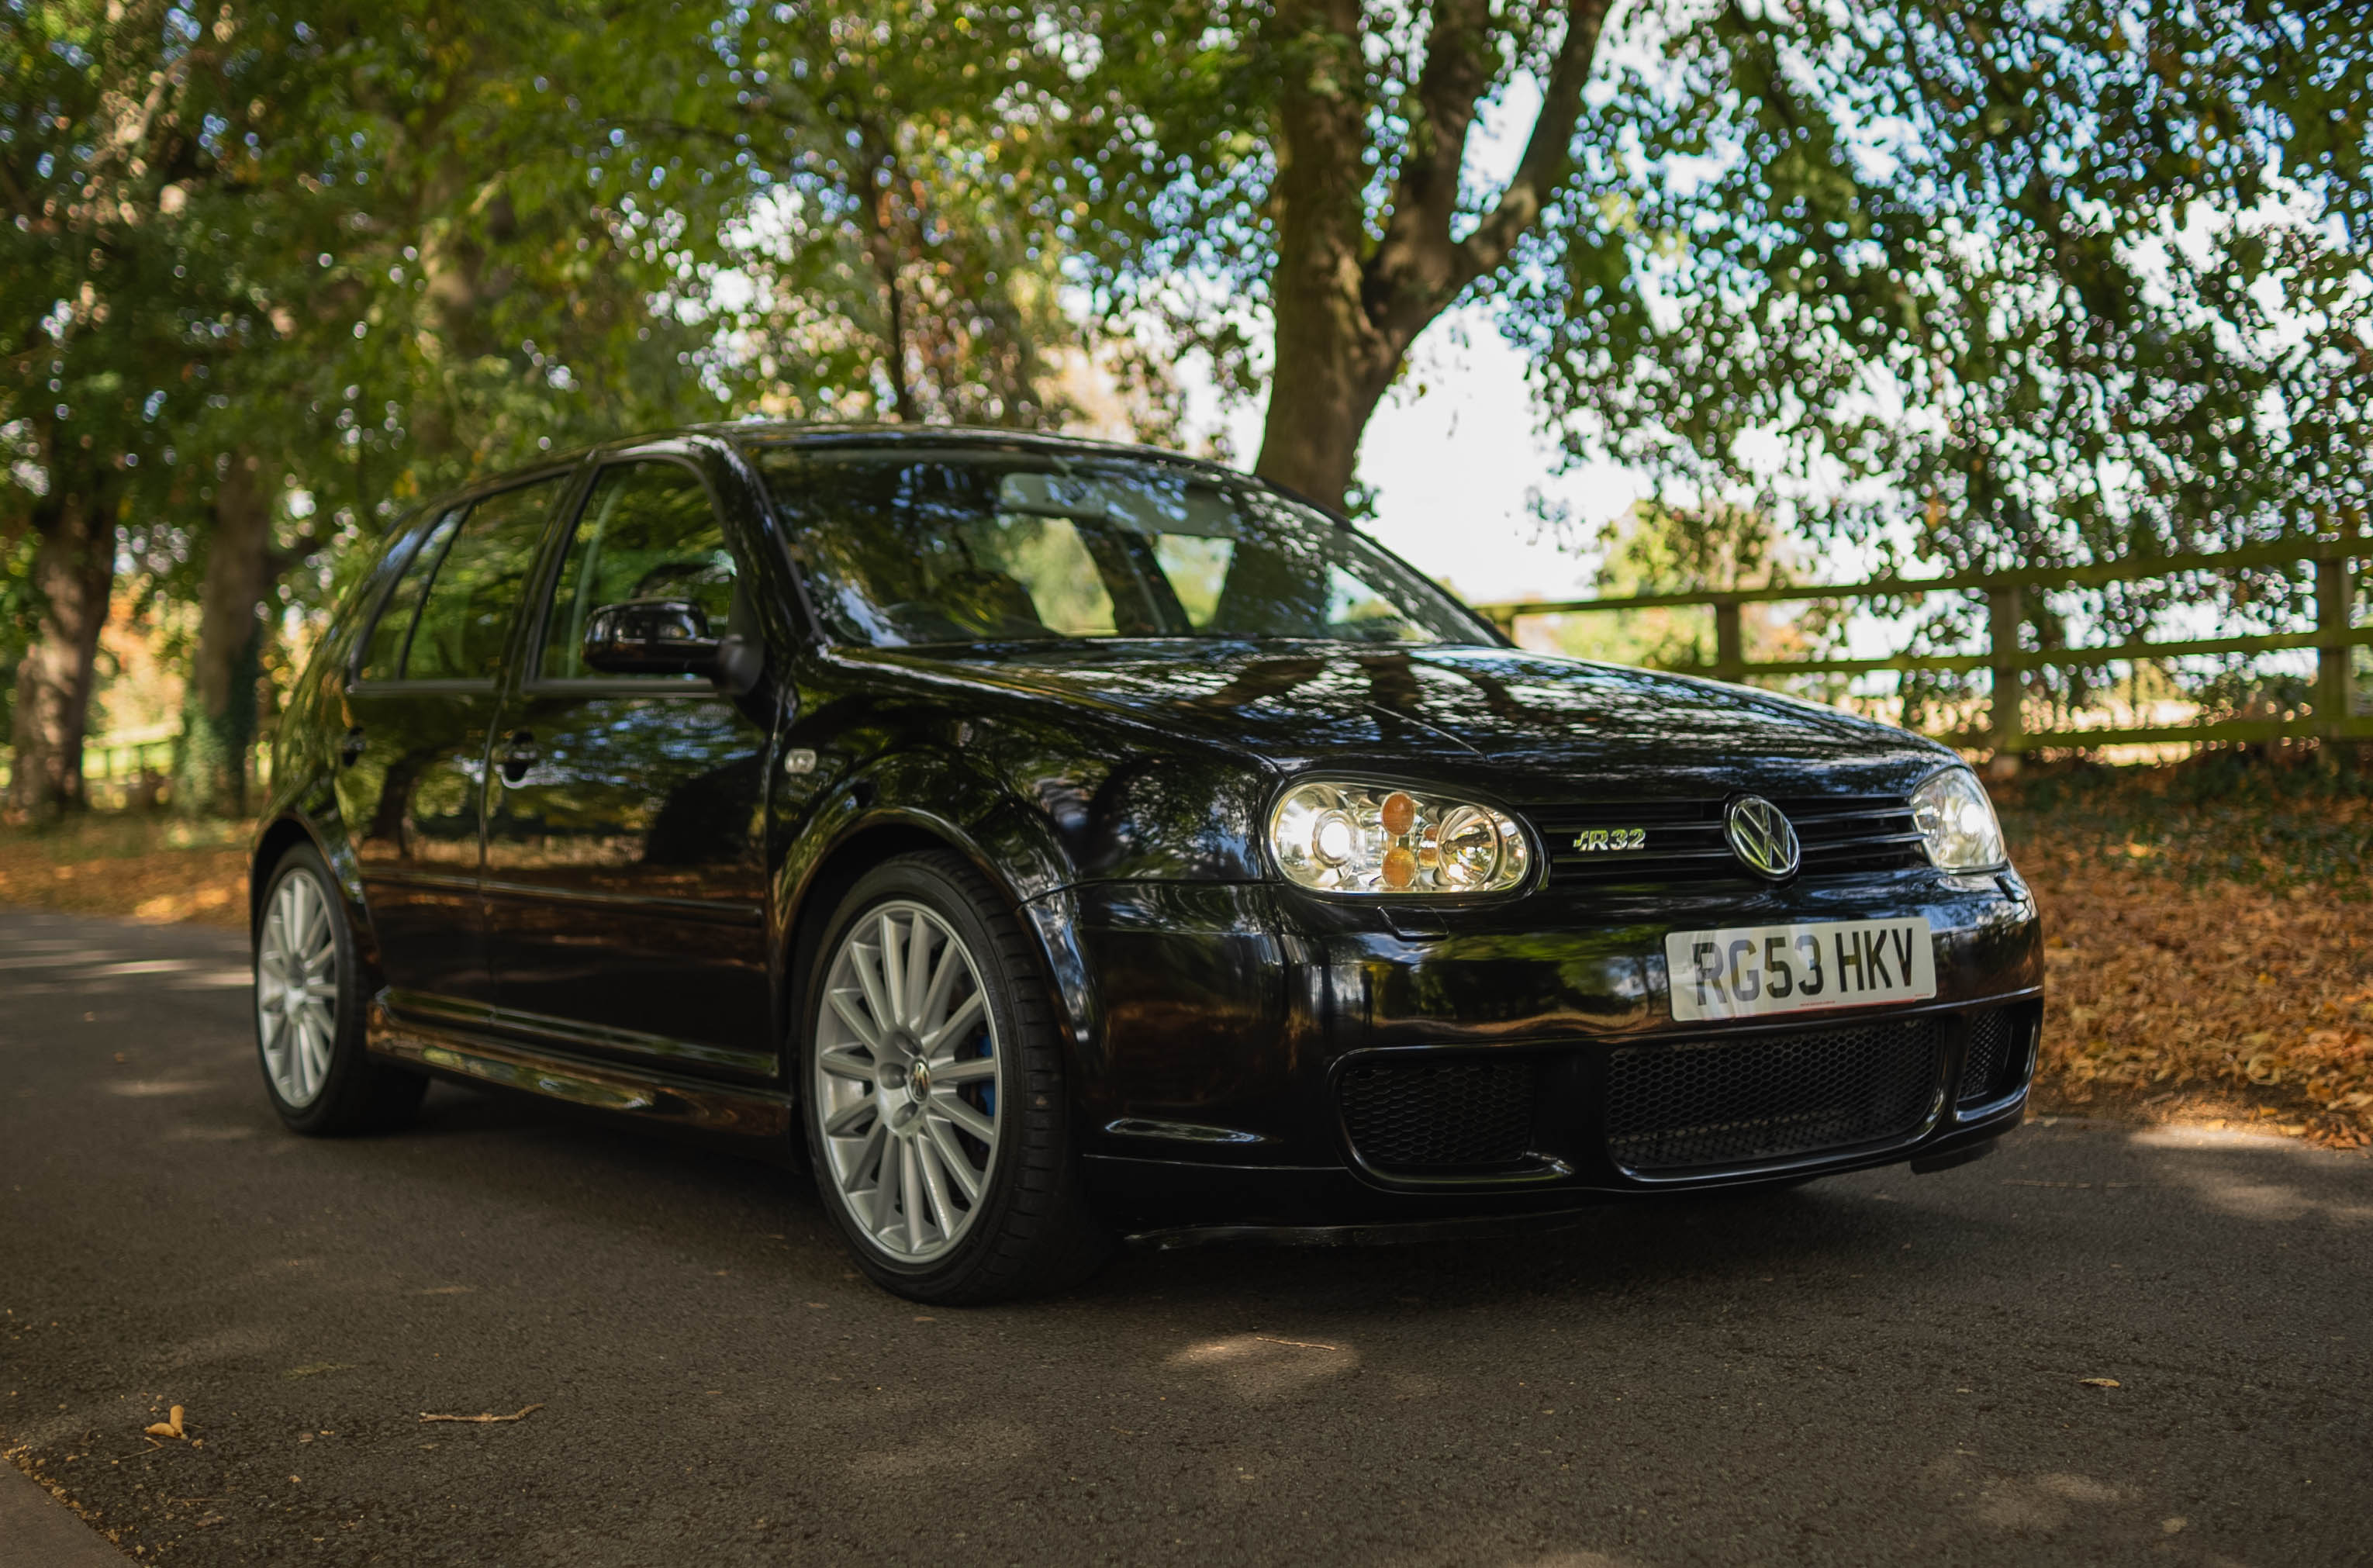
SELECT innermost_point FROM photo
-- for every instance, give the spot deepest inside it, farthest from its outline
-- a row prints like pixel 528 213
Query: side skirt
pixel 458 1054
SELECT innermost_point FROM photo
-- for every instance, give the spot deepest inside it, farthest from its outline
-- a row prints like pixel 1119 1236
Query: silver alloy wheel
pixel 909 1081
pixel 296 988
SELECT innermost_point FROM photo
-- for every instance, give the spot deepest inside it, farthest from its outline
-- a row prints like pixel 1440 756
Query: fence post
pixel 2004 719
pixel 1729 646
pixel 2336 595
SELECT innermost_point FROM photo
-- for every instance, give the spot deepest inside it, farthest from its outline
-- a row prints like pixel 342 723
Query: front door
pixel 419 710
pixel 625 879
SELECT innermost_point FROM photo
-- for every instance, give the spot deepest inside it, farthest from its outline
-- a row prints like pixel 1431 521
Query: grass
pixel 2297 818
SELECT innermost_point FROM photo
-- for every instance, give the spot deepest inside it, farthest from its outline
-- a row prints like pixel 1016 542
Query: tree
pixel 114 115
pixel 426 292
pixel 875 176
pixel 2052 279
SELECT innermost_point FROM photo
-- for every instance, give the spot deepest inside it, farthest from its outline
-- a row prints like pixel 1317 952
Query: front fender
pixel 940 797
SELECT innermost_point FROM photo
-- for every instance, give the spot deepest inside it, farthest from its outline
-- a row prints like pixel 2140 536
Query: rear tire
pixel 931 1093
pixel 309 1011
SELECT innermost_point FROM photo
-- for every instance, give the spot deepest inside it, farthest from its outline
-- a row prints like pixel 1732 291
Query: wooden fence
pixel 129 769
pixel 2335 558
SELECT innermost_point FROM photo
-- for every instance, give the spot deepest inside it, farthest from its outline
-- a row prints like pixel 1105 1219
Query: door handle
pixel 518 754
pixel 350 748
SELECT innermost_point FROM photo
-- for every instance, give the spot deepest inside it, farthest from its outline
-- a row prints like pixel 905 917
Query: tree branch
pixel 1417 258
pixel 1547 153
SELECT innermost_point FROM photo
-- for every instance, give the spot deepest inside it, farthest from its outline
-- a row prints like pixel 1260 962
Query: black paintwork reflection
pixel 1532 722
pixel 412 801
pixel 652 870
pixel 625 884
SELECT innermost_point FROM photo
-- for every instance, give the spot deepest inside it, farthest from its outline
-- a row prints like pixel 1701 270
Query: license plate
pixel 1756 971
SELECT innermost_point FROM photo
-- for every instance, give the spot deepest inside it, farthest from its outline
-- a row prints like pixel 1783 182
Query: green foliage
pixel 1965 285
pixel 1978 287
pixel 1969 285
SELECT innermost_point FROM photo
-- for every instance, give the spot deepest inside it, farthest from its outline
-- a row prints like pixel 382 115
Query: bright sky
pixel 1452 467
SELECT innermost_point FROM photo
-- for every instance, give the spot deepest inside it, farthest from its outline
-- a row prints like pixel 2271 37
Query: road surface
pixel 1881 1368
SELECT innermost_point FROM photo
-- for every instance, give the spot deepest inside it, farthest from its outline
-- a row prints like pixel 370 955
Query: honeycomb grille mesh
pixel 1994 1057
pixel 1438 1115
pixel 1703 1104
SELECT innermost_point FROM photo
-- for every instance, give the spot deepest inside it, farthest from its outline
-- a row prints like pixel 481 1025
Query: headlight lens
pixel 1343 837
pixel 1956 822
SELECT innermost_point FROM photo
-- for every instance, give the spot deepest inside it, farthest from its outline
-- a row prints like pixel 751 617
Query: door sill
pixel 607 1086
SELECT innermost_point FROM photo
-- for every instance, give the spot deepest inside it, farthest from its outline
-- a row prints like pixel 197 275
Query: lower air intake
pixel 1433 1116
pixel 1709 1104
pixel 1995 1057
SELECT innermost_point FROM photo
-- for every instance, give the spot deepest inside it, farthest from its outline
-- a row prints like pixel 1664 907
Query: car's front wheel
pixel 933 1096
pixel 309 1011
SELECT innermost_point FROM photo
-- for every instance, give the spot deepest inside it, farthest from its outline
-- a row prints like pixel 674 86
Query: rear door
pixel 419 710
pixel 625 878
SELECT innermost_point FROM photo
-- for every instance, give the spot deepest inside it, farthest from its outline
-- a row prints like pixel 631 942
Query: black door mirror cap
pixel 649 637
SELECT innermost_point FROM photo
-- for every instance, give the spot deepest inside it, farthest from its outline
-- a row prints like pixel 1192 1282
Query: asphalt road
pixel 1882 1368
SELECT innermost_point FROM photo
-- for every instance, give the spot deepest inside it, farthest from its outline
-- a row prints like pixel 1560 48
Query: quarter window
pixel 478 585
pixel 383 656
pixel 647 531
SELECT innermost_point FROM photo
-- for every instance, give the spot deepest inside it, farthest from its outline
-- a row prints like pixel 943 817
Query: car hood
pixel 1534 726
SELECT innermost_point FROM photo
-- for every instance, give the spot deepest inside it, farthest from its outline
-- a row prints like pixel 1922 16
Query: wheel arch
pixel 821 887
pixel 283 833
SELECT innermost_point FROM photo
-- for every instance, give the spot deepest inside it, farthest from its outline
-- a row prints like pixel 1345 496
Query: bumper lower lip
pixel 1206 1206
pixel 1166 1193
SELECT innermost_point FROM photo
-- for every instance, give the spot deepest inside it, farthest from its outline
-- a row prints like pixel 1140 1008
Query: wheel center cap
pixel 919 1081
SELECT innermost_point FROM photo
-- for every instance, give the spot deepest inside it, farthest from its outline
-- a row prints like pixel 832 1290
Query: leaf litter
pixel 2175 993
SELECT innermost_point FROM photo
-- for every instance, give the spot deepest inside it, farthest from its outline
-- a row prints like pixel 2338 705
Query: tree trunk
pixel 74 574
pixel 1348 305
pixel 1332 366
pixel 218 709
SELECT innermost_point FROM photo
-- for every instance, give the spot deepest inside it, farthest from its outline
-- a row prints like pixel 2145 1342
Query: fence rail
pixel 2335 558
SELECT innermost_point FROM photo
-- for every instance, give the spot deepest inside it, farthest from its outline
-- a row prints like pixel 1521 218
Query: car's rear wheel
pixel 309 1011
pixel 933 1096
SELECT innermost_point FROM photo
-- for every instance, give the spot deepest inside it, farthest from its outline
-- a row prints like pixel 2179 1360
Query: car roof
pixel 787 433
pixel 759 433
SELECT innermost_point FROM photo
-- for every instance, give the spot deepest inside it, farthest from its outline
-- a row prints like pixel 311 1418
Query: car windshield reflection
pixel 904 547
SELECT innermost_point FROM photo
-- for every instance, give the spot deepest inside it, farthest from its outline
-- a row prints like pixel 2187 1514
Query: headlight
pixel 1342 838
pixel 1956 822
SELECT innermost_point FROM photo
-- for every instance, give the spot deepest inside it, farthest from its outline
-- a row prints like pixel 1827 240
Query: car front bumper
pixel 1250 1061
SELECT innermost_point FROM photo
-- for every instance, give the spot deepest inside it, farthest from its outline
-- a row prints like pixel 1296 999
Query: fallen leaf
pixel 170 1427
pixel 2100 1383
pixel 521 1415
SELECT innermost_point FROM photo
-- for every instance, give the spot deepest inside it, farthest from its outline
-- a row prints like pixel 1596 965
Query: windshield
pixel 904 545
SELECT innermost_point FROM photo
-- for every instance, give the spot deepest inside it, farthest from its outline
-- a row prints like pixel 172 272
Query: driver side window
pixel 647 531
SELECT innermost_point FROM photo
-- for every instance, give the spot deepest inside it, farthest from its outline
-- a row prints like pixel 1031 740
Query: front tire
pixel 931 1093
pixel 309 1011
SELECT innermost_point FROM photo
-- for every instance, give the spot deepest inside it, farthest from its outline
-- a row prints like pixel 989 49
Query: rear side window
pixel 477 587
pixel 383 655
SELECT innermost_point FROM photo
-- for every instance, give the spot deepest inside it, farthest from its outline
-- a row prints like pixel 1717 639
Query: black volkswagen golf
pixel 1056 843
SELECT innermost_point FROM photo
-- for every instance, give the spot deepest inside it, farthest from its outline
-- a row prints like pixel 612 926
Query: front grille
pixel 1840 833
pixel 1439 1115
pixel 1710 1103
pixel 1996 1055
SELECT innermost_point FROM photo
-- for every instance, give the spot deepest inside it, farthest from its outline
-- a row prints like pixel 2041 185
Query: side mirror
pixel 649 637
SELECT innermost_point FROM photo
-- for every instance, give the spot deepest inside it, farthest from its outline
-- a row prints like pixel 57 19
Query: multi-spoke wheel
pixel 307 1009
pixel 907 1081
pixel 932 1090
pixel 296 987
